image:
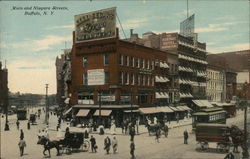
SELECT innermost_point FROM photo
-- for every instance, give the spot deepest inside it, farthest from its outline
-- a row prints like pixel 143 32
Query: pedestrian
pixel 229 156
pixel 114 144
pixel 122 126
pixel 132 149
pixel 28 125
pixel 39 135
pixel 137 125
pixel 107 144
pixel 21 145
pixel 157 133
pixel 93 144
pixel 166 130
pixel 17 124
pixel 126 126
pixel 185 134
pixel 132 133
pixel 21 134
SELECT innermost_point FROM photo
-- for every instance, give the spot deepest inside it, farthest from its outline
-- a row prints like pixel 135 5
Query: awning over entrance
pixel 103 112
pixel 159 95
pixel 129 111
pixel 184 107
pixel 67 111
pixel 175 109
pixel 150 110
pixel 202 103
pixel 166 109
pixel 82 113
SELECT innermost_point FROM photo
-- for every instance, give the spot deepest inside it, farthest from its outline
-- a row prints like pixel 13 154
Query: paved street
pixel 146 146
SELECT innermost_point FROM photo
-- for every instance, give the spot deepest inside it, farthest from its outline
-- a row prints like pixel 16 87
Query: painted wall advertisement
pixel 96 77
pixel 95 25
pixel 169 41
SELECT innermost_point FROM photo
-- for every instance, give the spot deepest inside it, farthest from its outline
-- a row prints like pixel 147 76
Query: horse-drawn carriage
pixel 221 134
pixel 75 141
pixel 161 128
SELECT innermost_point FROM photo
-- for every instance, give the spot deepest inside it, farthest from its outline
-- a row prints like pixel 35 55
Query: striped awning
pixel 103 112
pixel 82 113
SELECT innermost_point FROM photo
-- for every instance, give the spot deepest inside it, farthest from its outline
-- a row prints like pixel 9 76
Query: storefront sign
pixel 125 98
pixel 95 25
pixel 144 71
pixel 108 98
pixel 96 77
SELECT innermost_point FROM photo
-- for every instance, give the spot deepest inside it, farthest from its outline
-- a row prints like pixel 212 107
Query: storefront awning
pixel 185 107
pixel 166 109
pixel 150 110
pixel 159 95
pixel 202 103
pixel 67 111
pixel 82 113
pixel 174 109
pixel 103 112
pixel 129 111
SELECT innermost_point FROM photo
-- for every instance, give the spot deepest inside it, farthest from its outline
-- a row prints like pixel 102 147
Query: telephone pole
pixel 46 106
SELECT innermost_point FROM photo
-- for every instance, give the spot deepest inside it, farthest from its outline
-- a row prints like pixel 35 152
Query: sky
pixel 31 43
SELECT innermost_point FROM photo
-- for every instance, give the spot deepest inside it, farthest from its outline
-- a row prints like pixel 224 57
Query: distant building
pixel 239 61
pixel 4 102
pixel 63 73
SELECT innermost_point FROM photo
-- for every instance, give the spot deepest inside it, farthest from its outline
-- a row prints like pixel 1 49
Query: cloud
pixel 216 27
pixel 31 76
pixel 42 44
pixel 235 47
pixel 3 45
pixel 134 23
pixel 225 18
pixel 71 26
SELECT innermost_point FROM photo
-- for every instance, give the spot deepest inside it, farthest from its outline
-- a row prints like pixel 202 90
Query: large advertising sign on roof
pixel 187 27
pixel 95 25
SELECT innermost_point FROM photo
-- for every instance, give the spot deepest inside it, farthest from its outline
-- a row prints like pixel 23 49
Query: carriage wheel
pixel 85 146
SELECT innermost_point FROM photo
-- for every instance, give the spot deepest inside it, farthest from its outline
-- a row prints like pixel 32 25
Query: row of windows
pixel 215 75
pixel 136 79
pixel 105 60
pixel 216 117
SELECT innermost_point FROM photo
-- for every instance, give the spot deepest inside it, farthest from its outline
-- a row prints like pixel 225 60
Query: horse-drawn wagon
pixel 221 134
pixel 74 141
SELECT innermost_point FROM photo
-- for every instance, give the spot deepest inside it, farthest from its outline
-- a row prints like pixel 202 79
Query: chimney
pixel 131 32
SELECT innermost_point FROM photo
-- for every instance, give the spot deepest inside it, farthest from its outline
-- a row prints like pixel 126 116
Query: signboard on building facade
pixel 187 27
pixel 108 98
pixel 95 25
pixel 96 77
pixel 169 41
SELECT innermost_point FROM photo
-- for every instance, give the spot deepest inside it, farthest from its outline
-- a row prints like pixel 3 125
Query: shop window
pixel 106 59
pixel 85 78
pixel 85 62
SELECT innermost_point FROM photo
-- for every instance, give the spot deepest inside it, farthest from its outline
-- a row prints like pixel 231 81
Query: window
pixel 125 77
pixel 133 79
pixel 138 63
pixel 148 80
pixel 133 62
pixel 127 60
pixel 127 82
pixel 121 78
pixel 106 77
pixel 85 78
pixel 148 64
pixel 121 59
pixel 106 59
pixel 85 61
pixel 144 80
pixel 139 80
pixel 152 65
pixel 152 80
pixel 143 63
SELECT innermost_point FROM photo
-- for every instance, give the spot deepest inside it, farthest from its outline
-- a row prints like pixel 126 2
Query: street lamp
pixel 245 148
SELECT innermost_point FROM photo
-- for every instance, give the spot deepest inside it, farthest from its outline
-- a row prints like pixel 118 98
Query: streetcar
pixel 21 114
pixel 209 115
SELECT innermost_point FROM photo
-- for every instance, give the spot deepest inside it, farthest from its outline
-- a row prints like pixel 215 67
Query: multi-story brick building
pixel 3 88
pixel 188 62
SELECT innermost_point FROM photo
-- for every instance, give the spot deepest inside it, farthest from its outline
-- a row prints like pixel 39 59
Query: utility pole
pixel 245 149
pixel 46 106
pixel 100 100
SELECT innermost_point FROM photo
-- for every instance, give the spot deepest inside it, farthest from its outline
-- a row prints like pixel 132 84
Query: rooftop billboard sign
pixel 95 25
pixel 187 27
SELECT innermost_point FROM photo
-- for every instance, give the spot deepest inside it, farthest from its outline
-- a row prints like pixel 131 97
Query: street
pixel 146 146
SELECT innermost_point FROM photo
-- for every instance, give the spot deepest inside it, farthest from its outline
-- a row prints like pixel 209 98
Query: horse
pixel 49 145
pixel 155 127
pixel 237 136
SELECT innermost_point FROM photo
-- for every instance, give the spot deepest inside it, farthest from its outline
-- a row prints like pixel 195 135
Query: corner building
pixel 133 76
